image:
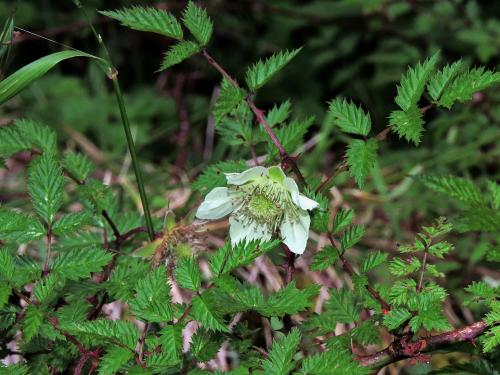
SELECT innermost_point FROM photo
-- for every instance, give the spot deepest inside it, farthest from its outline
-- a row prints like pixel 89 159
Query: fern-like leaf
pixel 361 157
pixel 198 23
pixel 349 118
pixel 147 19
pixel 280 358
pixel 260 73
pixel 178 53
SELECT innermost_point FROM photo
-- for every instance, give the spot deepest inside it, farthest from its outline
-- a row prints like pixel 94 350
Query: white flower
pixel 260 201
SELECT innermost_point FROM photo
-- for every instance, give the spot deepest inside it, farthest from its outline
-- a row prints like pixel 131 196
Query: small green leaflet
pixel 114 359
pixel 33 319
pixel 324 259
pixel 153 302
pixel 396 317
pixel 373 260
pixel 352 236
pixel 45 186
pixel 198 23
pixel 279 114
pixel 38 135
pixel 147 19
pixel 260 73
pixel 115 332
pixel 466 84
pixel 178 53
pixel 361 157
pixel 7 267
pixel 229 98
pixel 342 306
pixel 19 80
pixel 349 118
pixel 412 84
pixel 408 125
pixel 459 188
pixel 342 219
pixel 188 274
pixel 441 79
pixel 81 263
pixel 78 165
pixel 71 222
pixel 280 358
pixel 206 312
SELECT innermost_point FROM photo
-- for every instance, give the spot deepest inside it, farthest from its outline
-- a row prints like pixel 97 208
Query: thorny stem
pixel 286 160
pixel 402 349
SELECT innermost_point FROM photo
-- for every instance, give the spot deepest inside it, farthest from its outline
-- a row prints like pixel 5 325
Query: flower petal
pixel 218 203
pixel 276 174
pixel 307 203
pixel 249 174
pixel 296 232
pixel 244 231
pixel 299 199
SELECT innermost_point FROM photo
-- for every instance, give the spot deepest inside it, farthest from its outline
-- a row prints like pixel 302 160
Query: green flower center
pixel 266 202
pixel 262 208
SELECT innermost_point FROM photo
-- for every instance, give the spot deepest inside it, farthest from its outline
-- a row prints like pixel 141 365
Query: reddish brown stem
pixel 286 160
pixel 402 349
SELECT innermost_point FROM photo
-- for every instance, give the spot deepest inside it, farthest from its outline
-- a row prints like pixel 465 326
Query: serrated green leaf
pixel 229 98
pixel 16 369
pixel 324 259
pixel 153 302
pixel 332 362
pixel 291 136
pixel 349 118
pixel 171 340
pixel 352 236
pixel 188 274
pixel 7 267
pixel 456 187
pixel 408 125
pixel 198 23
pixel 205 344
pixel 431 319
pixel 33 319
pixel 114 359
pixel 342 306
pixel 80 263
pixel 118 331
pixel 47 288
pixel 69 223
pixel 279 114
pixel 38 135
pixel 399 267
pixel 78 165
pixel 289 300
pixel 178 53
pixel 361 157
pixel 45 186
pixel 19 227
pixel 491 339
pixel 12 141
pixel 396 317
pixel 280 358
pixel 260 73
pixel 20 79
pixel 372 261
pixel 342 219
pixel 412 84
pixel 441 79
pixel 466 84
pixel 228 258
pixel 147 19
pixel 205 312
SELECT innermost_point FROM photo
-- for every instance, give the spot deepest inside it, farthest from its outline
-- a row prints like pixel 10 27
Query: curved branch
pixel 402 349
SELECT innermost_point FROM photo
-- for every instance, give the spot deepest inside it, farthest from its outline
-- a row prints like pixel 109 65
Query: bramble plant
pixel 71 253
